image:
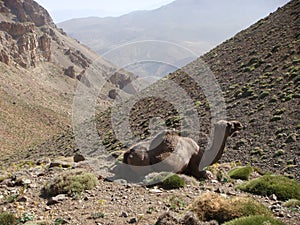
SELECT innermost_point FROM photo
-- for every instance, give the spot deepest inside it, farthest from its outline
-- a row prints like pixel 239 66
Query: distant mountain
pixel 40 68
pixel 197 25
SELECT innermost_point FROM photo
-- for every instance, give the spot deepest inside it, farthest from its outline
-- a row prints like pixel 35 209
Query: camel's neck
pixel 218 143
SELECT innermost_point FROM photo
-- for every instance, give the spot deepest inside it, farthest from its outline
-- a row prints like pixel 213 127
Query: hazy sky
pixel 62 10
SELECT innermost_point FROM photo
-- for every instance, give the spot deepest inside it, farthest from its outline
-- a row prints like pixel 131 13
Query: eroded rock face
pixel 22 41
pixel 21 44
pixel 70 72
pixel 78 58
pixel 16 29
pixel 45 46
pixel 27 11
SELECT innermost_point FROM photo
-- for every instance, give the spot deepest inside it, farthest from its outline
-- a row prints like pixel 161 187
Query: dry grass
pixel 71 183
pixel 211 206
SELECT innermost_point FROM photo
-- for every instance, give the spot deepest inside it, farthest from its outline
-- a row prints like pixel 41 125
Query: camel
pixel 169 151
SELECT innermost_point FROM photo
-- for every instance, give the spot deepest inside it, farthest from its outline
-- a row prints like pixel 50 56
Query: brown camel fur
pixel 222 130
pixel 168 151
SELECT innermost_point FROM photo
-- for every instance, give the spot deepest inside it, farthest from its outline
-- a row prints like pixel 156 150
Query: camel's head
pixel 135 157
pixel 233 127
pixel 230 126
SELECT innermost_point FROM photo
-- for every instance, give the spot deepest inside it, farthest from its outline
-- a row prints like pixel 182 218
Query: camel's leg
pixel 193 167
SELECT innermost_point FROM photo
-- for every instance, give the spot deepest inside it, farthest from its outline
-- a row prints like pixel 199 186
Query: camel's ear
pixel 237 125
pixel 234 126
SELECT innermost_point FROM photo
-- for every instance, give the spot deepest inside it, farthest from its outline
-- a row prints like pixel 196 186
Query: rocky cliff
pixel 40 67
pixel 23 39
pixel 27 33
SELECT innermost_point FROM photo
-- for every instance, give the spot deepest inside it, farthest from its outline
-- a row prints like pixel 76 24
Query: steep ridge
pixel 40 69
pixel 258 71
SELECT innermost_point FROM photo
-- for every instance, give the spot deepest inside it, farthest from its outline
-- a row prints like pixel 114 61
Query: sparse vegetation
pixel 292 203
pixel 97 215
pixel 70 183
pixel 275 118
pixel 173 182
pixel 7 219
pixel 211 206
pixel 165 180
pixel 257 151
pixel 259 78
pixel 255 220
pixel 279 152
pixel 264 94
pixel 242 173
pixel 25 217
pixel 177 203
pixel 279 111
pixel 283 187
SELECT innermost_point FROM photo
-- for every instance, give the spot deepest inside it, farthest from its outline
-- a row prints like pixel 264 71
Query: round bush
pixel 284 188
pixel 241 173
pixel 70 183
pixel 254 220
pixel 212 206
pixel 7 219
pixel 173 182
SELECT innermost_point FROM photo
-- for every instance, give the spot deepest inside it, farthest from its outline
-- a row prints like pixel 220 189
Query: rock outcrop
pixel 22 42
pixel 27 34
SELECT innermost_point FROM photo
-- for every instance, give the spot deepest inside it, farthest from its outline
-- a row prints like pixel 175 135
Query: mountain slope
pixel 258 71
pixel 197 25
pixel 40 69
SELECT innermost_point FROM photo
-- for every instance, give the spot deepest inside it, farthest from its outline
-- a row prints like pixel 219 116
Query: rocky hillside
pixel 258 71
pixel 40 69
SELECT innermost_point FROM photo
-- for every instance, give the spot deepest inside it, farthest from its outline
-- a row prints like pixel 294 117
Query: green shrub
pixel 70 183
pixel 156 178
pixel 242 173
pixel 165 180
pixel 177 203
pixel 275 118
pixel 97 215
pixel 26 217
pixel 264 94
pixel 2 178
pixel 279 152
pixel 7 219
pixel 257 151
pixel 254 220
pixel 173 182
pixel 212 206
pixel 292 203
pixel 283 187
pixel 279 111
pixel 274 99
